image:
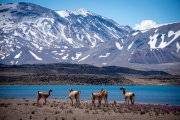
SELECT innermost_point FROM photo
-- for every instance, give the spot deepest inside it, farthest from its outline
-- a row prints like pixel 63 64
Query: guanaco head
pixel 122 88
pixel 70 90
pixel 50 90
pixel 101 89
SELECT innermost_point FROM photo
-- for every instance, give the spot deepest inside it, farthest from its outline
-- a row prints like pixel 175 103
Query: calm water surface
pixel 144 94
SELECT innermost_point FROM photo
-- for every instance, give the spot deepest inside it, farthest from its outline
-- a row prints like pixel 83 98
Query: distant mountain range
pixel 31 34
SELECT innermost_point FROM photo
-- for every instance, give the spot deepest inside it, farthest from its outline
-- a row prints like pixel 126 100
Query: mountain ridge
pixel 31 34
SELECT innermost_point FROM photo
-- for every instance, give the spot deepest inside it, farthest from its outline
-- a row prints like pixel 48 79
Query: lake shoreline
pixel 135 82
pixel 60 109
pixel 143 94
pixel 80 85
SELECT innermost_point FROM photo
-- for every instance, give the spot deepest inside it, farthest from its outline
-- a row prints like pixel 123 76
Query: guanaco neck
pixel 124 92
pixel 49 93
pixel 102 92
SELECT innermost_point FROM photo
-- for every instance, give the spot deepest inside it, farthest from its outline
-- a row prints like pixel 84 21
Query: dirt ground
pixel 59 109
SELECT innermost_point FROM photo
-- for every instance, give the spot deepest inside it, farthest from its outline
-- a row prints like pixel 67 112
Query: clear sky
pixel 124 12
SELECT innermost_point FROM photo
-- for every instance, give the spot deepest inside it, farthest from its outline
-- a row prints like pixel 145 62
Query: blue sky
pixel 124 12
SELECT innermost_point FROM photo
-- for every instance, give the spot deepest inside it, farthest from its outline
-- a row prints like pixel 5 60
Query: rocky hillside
pixel 63 74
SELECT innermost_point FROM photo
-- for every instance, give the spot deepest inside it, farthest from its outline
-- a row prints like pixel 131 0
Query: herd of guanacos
pixel 94 96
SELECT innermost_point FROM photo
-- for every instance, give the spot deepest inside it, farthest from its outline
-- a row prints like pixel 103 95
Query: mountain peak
pixel 80 11
pixel 63 13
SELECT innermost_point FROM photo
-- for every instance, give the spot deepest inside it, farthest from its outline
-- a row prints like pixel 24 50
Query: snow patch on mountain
pixel 81 11
pixel 129 47
pixel 107 27
pixel 79 20
pixel 35 56
pixel 3 56
pixel 57 59
pixel 65 57
pixel 102 56
pixel 93 43
pixel 96 36
pixel 178 47
pixel 162 44
pixel 63 13
pixel 122 40
pixel 104 64
pixel 135 33
pixel 53 51
pixel 153 40
pixel 37 46
pixel 170 33
pixel 77 56
pixel 18 55
pixel 14 62
pixel 83 58
pixel 177 34
pixel 118 45
pixel 156 30
pixel 143 31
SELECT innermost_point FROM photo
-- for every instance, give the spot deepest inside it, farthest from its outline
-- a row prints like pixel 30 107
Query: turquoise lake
pixel 143 94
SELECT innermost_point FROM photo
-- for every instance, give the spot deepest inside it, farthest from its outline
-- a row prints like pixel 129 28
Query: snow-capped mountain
pixel 31 34
pixel 34 34
pixel 153 46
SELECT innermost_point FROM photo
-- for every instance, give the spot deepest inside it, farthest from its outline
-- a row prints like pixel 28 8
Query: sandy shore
pixel 59 109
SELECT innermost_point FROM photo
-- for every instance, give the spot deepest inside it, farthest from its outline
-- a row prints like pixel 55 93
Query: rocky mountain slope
pixel 154 46
pixel 31 34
